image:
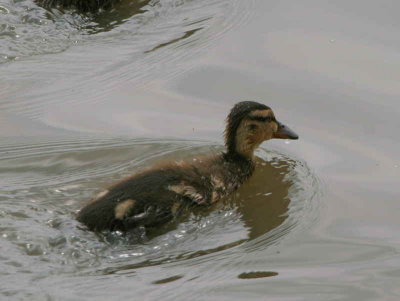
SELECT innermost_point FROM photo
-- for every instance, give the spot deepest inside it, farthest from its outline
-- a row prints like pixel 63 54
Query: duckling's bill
pixel 284 132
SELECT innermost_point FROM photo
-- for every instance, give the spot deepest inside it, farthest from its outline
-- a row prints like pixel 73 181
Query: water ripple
pixel 67 171
pixel 44 182
pixel 156 37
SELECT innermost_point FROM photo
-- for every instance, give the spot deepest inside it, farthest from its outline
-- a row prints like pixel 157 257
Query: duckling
pixel 83 6
pixel 155 196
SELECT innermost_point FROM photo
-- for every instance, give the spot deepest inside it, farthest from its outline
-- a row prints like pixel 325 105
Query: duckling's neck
pixel 239 166
pixel 238 157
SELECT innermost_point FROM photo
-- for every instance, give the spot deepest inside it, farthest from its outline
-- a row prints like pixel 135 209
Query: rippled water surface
pixel 43 241
pixel 87 99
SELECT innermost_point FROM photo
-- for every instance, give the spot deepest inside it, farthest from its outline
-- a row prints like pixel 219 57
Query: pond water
pixel 88 99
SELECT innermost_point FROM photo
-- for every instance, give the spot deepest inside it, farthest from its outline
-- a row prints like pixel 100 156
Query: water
pixel 88 99
pixel 44 185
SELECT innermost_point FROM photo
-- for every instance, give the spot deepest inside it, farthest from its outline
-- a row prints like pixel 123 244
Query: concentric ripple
pixel 44 184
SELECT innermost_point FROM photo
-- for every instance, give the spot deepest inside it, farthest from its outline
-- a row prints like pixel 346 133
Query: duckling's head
pixel 249 124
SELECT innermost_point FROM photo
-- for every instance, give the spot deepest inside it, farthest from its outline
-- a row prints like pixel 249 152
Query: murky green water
pixel 86 100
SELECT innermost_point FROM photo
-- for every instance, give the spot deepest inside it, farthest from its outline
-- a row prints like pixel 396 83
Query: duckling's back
pixel 139 200
pixel 155 196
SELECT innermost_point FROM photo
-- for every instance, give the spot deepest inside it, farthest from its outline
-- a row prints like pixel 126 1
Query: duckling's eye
pixel 262 118
pixel 252 127
pixel 270 118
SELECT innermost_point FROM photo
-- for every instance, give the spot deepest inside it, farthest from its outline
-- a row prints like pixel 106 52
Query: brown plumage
pixel 155 196
pixel 83 6
pixel 124 9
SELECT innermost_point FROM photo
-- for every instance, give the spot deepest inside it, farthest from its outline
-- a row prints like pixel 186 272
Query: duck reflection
pixel 263 201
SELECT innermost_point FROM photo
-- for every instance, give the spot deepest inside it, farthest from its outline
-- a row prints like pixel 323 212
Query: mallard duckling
pixel 83 6
pixel 155 196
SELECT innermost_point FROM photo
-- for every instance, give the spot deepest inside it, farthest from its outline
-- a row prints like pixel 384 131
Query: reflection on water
pixel 186 35
pixel 252 275
pixel 166 280
pixel 265 199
